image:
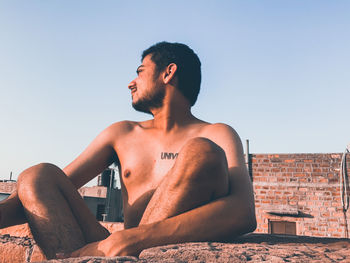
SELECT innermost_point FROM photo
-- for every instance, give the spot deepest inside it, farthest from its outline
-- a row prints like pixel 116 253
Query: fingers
pixel 88 250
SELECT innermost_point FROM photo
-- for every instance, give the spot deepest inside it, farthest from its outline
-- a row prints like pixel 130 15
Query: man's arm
pixel 95 158
pixel 222 219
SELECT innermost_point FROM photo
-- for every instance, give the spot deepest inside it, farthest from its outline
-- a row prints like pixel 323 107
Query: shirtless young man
pixel 202 192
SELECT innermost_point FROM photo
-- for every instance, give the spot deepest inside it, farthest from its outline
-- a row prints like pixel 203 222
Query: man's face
pixel 146 89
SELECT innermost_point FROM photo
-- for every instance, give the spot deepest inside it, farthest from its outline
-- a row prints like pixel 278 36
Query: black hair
pixel 188 66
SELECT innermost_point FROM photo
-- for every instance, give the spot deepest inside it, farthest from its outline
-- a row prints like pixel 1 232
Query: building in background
pixel 6 188
pixel 302 194
pixel 105 200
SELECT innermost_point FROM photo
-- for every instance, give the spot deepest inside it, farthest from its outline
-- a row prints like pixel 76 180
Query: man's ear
pixel 169 73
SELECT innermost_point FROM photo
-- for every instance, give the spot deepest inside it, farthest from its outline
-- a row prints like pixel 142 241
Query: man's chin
pixel 141 108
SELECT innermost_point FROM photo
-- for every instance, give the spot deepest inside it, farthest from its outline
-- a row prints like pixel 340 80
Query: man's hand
pixel 92 249
pixel 115 245
pixel 11 211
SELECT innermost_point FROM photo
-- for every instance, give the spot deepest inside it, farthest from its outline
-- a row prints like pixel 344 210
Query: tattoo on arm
pixel 168 156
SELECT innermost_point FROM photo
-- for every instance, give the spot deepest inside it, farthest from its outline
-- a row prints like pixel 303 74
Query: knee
pixel 206 151
pixel 32 178
pixel 205 156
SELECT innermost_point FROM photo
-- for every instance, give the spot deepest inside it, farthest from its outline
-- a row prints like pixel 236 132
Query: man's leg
pixel 57 215
pixel 199 175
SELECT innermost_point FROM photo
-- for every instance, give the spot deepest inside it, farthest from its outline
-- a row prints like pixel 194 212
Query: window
pixel 282 228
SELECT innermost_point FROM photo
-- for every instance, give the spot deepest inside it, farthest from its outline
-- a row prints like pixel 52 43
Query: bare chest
pixel 144 163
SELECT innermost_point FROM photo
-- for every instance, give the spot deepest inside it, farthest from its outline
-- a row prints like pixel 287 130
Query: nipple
pixel 126 173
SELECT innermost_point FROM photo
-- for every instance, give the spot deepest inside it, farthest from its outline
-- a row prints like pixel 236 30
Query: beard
pixel 150 101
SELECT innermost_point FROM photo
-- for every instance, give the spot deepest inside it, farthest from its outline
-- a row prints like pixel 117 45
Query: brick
pixel 333 180
pixel 338 214
pixel 12 253
pixel 314 198
pixel 17 231
pixel 308 161
pixel 322 209
pixel 276 160
pixel 332 220
pixel 289 161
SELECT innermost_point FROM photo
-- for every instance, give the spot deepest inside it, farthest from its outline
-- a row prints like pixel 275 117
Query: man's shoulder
pixel 124 127
pixel 221 133
pixel 219 129
pixel 118 129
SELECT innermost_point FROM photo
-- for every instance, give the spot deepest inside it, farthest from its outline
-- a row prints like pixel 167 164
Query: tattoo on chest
pixel 168 156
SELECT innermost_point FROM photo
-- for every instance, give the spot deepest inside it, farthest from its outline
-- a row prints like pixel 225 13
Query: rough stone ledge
pixel 250 248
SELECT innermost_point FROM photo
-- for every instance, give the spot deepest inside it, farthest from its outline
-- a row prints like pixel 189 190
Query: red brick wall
pixel 300 188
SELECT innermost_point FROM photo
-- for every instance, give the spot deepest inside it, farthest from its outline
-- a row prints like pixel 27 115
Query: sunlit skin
pixel 182 179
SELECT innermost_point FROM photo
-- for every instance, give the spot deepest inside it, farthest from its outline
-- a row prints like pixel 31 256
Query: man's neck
pixel 171 117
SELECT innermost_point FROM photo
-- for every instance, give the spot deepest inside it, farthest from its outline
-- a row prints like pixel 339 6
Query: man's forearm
pixel 220 220
pixel 11 211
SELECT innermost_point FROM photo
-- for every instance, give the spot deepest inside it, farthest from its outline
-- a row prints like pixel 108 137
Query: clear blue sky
pixel 276 71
